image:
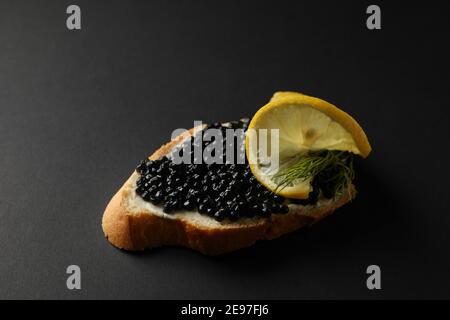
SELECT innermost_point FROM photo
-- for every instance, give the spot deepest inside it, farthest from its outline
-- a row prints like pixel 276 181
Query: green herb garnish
pixel 332 171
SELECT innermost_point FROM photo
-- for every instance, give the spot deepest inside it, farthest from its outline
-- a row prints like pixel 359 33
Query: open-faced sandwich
pixel 220 187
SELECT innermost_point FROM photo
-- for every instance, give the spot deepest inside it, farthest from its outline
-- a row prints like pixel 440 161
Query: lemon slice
pixel 304 124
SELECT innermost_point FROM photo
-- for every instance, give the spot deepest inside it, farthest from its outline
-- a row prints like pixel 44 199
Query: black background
pixel 79 109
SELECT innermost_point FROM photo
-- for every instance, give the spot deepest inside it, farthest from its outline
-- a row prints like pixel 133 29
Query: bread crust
pixel 139 231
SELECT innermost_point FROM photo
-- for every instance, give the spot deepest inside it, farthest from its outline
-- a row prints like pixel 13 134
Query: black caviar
pixel 222 191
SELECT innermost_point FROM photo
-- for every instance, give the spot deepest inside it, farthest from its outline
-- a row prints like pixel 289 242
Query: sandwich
pixel 223 186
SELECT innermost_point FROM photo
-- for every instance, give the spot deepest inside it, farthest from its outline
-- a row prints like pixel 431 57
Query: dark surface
pixel 78 110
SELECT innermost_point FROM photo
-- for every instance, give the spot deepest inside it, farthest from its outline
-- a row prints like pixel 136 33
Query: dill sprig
pixel 331 170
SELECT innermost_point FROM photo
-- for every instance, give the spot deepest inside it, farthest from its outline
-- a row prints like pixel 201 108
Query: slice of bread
pixel 133 224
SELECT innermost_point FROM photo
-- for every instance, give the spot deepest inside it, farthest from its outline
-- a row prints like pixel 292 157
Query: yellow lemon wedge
pixel 305 124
